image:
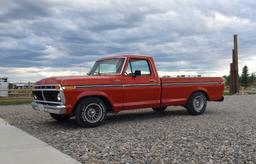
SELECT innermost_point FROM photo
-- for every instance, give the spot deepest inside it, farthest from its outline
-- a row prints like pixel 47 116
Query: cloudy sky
pixel 61 37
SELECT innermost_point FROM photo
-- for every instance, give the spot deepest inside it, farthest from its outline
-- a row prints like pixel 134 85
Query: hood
pixel 76 80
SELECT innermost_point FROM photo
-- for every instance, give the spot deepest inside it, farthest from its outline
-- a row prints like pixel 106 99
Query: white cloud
pixel 52 53
pixel 220 21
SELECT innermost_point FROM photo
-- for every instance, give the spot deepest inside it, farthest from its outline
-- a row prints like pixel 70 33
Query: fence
pixel 26 93
pixel 249 90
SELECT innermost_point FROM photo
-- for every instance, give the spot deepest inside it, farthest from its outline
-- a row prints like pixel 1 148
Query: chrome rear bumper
pixel 56 109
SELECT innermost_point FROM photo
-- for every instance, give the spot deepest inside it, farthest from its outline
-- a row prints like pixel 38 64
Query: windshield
pixel 107 67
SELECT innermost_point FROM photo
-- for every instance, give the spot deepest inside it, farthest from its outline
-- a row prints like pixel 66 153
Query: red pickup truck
pixel 119 83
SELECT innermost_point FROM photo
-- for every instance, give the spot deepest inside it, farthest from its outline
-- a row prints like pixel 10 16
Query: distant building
pixel 23 85
pixel 4 87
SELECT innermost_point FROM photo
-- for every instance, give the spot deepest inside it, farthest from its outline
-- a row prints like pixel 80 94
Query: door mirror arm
pixel 136 73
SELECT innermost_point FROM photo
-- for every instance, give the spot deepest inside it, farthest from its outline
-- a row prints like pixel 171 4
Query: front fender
pixel 94 93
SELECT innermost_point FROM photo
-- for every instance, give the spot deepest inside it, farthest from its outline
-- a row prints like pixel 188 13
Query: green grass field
pixel 15 101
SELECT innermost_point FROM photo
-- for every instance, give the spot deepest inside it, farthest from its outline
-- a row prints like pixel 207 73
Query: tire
pixel 197 103
pixel 60 117
pixel 90 112
pixel 160 110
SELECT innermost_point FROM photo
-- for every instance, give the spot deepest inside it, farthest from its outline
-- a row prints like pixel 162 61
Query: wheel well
pixel 104 99
pixel 202 91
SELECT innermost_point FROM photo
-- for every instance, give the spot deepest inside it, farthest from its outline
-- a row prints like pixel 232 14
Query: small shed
pixel 4 86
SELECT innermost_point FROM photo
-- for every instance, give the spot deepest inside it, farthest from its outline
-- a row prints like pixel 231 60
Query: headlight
pixel 59 97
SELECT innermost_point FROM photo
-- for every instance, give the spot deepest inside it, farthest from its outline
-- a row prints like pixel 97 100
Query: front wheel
pixel 197 103
pixel 90 112
pixel 60 117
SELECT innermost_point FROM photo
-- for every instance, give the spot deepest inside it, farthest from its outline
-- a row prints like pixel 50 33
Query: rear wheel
pixel 60 117
pixel 161 109
pixel 90 112
pixel 197 103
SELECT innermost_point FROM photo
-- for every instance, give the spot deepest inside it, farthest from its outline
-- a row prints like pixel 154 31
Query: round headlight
pixel 59 97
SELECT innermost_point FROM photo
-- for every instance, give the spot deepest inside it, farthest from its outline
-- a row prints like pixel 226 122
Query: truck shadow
pixel 131 116
pixel 146 115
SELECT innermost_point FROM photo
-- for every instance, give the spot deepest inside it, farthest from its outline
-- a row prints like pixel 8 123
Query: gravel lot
pixel 226 133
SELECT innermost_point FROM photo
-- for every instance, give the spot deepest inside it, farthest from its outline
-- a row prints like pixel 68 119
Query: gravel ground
pixel 226 133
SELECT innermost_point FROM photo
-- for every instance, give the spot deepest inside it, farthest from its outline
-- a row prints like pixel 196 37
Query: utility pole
pixel 234 76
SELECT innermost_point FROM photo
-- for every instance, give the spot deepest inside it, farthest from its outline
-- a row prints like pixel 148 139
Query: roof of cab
pixel 125 56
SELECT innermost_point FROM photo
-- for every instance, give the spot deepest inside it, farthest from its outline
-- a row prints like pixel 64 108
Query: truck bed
pixel 176 91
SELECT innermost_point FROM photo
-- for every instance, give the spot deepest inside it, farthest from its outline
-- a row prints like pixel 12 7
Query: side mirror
pixel 137 73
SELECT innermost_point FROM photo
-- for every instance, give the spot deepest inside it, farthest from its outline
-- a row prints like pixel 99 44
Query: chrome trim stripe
pixel 189 83
pixel 138 85
pixel 97 86
pixel 118 85
pixel 132 85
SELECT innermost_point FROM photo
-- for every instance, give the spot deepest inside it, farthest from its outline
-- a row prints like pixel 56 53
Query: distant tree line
pixel 246 79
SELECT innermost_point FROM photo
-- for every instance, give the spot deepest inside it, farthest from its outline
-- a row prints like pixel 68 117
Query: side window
pixel 141 65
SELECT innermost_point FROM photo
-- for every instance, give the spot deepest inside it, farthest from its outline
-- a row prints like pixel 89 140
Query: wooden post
pixel 236 80
pixel 234 76
pixel 234 71
pixel 231 88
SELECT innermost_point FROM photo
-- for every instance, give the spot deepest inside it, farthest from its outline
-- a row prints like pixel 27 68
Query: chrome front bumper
pixel 58 109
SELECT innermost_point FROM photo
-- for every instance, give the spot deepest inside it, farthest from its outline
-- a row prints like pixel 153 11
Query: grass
pixel 15 101
pixel 226 92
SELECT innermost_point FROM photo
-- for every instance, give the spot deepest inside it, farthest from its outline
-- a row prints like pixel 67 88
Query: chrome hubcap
pixel 92 112
pixel 198 103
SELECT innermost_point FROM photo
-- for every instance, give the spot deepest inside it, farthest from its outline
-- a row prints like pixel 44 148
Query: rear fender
pixel 199 89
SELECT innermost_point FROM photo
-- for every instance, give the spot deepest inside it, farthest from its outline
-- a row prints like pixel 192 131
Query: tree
pixel 227 79
pixel 252 78
pixel 245 77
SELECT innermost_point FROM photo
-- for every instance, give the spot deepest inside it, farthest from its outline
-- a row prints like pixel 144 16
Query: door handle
pixel 152 81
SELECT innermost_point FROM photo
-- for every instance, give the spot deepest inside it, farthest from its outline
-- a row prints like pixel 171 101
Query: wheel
pixel 60 117
pixel 197 103
pixel 90 112
pixel 161 109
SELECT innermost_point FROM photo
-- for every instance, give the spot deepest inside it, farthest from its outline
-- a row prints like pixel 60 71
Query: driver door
pixel 140 91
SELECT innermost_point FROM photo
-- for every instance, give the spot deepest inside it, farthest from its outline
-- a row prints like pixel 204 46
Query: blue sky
pixel 63 37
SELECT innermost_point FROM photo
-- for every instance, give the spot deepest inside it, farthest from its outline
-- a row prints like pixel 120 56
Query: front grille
pixel 46 93
pixel 50 95
pixel 38 95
